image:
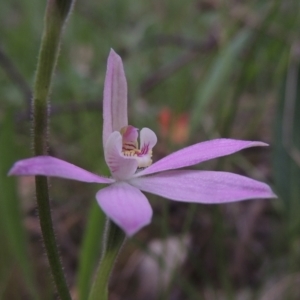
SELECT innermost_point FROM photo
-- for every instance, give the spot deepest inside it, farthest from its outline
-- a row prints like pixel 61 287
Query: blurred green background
pixel 196 70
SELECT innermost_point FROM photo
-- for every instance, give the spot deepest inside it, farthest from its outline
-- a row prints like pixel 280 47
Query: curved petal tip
pixel 126 206
pixel 51 166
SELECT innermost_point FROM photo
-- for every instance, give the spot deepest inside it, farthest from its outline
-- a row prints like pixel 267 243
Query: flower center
pixel 130 147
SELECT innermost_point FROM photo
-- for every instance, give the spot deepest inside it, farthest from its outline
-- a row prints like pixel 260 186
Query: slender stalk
pixel 113 240
pixel 55 16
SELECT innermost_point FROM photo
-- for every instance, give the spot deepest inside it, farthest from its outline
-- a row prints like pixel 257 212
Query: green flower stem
pixel 56 14
pixel 113 240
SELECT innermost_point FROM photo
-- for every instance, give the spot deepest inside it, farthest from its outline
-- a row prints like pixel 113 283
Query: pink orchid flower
pixel 132 170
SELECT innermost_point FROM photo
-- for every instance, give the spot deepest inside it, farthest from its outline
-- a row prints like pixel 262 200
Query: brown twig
pixel 247 18
pixel 195 48
pixel 13 73
pixel 68 108
pixel 181 41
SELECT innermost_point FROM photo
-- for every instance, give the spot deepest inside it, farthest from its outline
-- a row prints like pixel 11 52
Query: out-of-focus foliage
pixel 196 70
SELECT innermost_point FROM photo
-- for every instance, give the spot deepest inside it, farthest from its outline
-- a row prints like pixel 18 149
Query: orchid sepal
pixel 114 96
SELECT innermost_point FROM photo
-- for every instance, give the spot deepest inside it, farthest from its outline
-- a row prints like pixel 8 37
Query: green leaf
pixel 286 150
pixel 218 75
pixel 10 213
pixel 113 239
pixel 90 250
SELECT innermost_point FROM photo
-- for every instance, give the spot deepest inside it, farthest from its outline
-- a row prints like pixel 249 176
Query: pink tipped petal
pixel 198 153
pixel 121 167
pixel 114 97
pixel 51 166
pixel 203 186
pixel 126 206
pixel 148 139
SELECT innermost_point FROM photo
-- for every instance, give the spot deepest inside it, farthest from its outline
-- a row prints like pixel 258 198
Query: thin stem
pixel 56 14
pixel 113 240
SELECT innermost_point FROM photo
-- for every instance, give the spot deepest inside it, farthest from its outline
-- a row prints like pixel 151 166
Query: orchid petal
pixel 126 206
pixel 203 186
pixel 148 139
pixel 121 167
pixel 129 133
pixel 114 96
pixel 198 153
pixel 51 166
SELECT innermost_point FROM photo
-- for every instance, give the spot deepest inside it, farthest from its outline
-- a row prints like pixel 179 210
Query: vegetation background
pixel 196 70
